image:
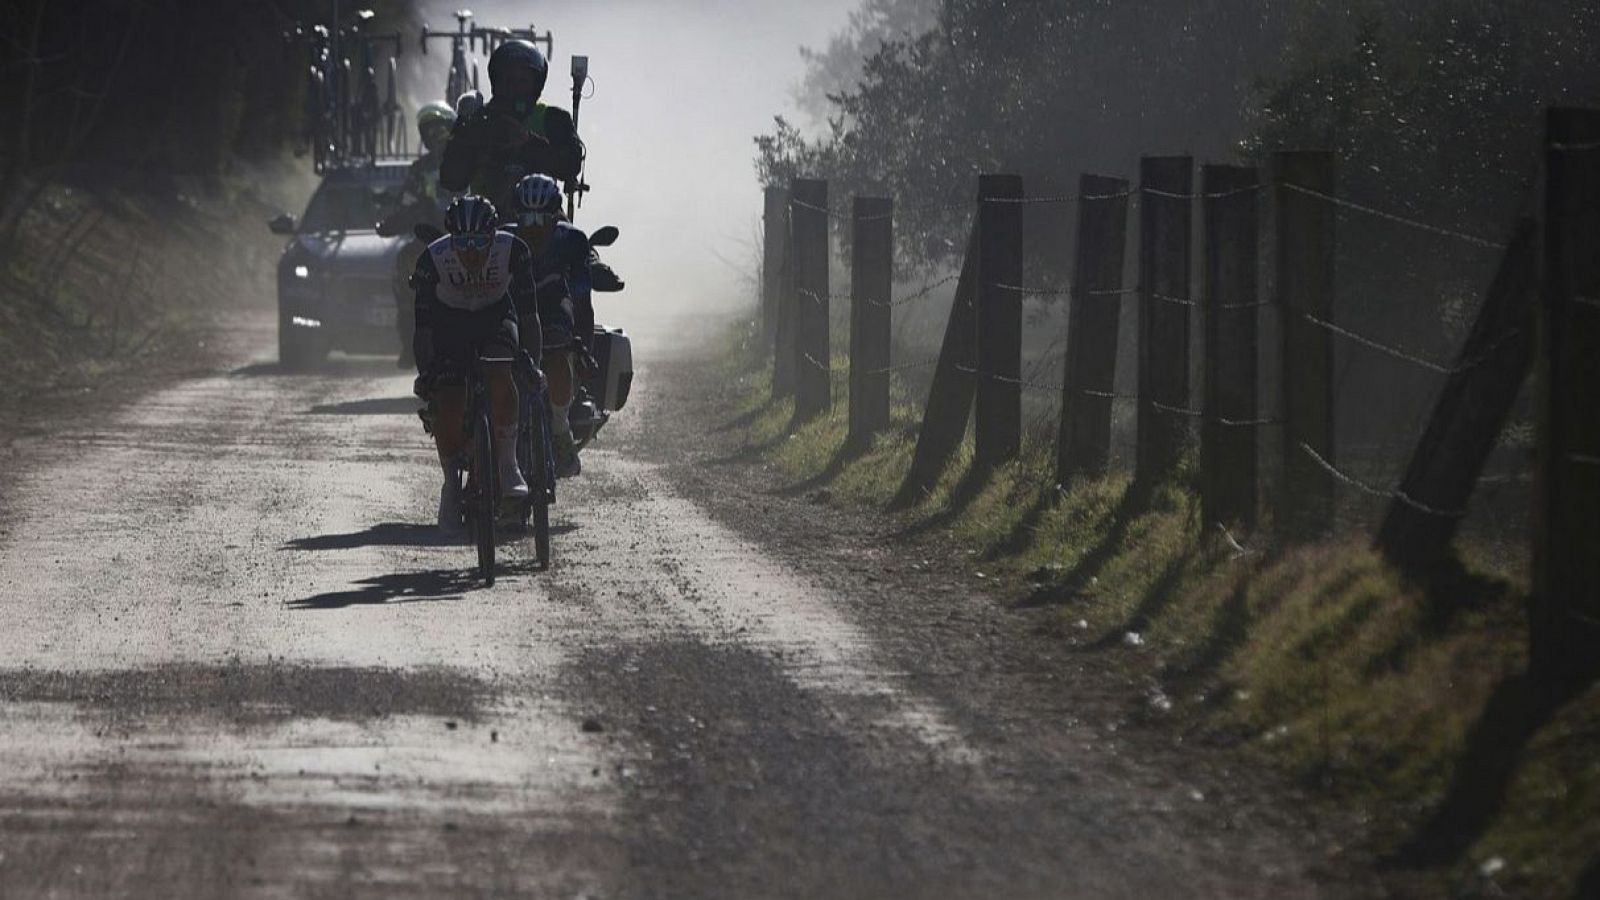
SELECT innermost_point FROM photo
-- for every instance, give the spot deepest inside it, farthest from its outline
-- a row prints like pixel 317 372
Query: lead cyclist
pixel 471 286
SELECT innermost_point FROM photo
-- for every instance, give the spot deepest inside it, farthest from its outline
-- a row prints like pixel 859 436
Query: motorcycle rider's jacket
pixel 492 148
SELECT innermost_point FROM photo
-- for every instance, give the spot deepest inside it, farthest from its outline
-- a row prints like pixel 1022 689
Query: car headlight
pixel 302 272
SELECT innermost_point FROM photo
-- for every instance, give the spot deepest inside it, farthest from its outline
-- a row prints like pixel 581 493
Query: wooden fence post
pixel 784 339
pixel 1165 217
pixel 998 417
pixel 1471 411
pixel 1566 550
pixel 774 228
pixel 1228 464
pixel 944 422
pixel 813 375
pixel 1084 446
pixel 1304 263
pixel 871 281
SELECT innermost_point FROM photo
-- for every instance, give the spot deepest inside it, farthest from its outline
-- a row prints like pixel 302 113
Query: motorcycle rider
pixel 421 200
pixel 563 265
pixel 471 285
pixel 495 144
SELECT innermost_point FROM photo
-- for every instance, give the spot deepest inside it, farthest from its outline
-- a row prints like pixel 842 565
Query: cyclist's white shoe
pixel 512 484
pixel 450 505
pixel 566 449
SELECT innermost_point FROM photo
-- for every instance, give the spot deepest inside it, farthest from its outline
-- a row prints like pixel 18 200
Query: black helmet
pixel 470 214
pixel 513 55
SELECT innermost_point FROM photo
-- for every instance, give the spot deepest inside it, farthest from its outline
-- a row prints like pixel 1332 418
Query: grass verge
pixel 1403 702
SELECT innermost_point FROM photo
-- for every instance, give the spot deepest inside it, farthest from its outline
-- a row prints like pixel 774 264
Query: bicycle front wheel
pixel 484 498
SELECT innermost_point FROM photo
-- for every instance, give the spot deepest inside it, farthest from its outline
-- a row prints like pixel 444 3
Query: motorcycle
pixel 602 388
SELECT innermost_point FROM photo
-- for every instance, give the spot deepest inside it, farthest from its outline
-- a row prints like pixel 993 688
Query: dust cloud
pixel 680 89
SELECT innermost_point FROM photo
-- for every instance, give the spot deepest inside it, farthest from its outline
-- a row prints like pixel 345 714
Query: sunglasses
pixel 472 241
pixel 535 220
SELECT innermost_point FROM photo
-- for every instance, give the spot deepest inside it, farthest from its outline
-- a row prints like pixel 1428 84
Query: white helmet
pixel 538 194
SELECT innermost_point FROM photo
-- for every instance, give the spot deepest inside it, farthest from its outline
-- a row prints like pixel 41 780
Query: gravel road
pixel 239 662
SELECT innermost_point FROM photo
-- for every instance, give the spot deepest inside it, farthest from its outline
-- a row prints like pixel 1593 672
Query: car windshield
pixel 344 205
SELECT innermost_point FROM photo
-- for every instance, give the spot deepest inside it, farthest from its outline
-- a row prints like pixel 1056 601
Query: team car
pixel 336 276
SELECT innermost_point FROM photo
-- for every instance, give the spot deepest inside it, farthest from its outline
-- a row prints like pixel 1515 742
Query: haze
pixel 680 89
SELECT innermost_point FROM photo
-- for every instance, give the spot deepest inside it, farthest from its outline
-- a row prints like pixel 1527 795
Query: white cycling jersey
pixel 472 279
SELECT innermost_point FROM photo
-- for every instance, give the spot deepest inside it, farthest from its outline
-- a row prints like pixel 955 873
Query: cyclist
pixel 495 144
pixel 470 286
pixel 421 200
pixel 563 262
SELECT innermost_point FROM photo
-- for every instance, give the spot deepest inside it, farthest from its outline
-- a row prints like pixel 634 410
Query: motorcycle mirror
pixel 427 233
pixel 283 224
pixel 605 237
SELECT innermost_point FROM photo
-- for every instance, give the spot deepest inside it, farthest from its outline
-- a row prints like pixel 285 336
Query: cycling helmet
pixel 513 55
pixel 538 194
pixel 470 214
pixel 436 113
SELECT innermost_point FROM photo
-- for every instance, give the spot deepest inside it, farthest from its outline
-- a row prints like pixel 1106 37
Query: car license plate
pixel 382 315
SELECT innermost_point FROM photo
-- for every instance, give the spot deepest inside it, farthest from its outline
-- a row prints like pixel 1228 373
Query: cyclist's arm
pixel 524 290
pixel 464 153
pixel 425 280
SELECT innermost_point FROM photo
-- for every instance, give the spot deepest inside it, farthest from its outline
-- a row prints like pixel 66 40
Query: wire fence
pixel 1044 376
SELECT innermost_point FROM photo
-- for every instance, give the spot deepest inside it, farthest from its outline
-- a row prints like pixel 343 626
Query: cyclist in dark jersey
pixel 563 263
pixel 470 287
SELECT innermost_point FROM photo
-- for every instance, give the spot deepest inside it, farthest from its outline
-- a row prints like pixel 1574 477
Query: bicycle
pixel 535 453
pixel 481 503
pixel 475 468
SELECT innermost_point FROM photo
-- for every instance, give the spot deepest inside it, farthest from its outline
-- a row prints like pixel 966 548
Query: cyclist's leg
pixel 503 403
pixel 555 317
pixel 449 421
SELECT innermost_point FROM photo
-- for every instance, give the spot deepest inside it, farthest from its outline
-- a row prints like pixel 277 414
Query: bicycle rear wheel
pixel 484 497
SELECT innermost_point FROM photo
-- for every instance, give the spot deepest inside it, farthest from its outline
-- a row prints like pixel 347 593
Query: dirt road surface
pixel 237 661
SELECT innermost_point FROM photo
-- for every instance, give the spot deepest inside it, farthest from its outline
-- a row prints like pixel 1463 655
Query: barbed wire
pixel 850 216
pixel 1394 217
pixel 918 294
pixel 1202 195
pixel 903 367
pixel 1576 148
pixel 1410 358
pixel 1105 395
pixel 1031 291
pixel 1062 199
pixel 1177 301
pixel 1052 387
pixel 1391 494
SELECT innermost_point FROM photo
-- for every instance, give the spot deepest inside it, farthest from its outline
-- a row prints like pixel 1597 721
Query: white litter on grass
pixel 1492 866
pixel 1133 639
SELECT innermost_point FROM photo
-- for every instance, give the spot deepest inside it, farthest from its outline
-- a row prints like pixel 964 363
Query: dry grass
pixel 1401 701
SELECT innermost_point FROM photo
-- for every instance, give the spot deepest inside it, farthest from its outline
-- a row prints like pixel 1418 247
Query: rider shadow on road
pixel 387 534
pixel 407 587
pixel 377 406
pixel 337 366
